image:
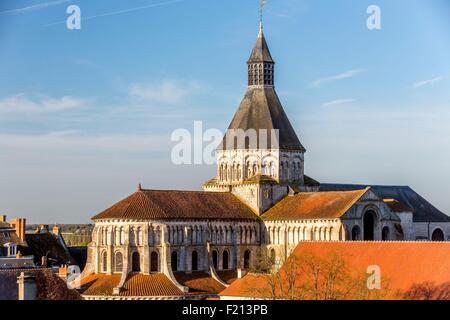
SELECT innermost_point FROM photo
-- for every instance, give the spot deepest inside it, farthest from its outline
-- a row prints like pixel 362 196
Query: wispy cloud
pixel 338 102
pixel 427 82
pixel 71 140
pixel 35 7
pixel 166 92
pixel 113 13
pixel 344 75
pixel 21 103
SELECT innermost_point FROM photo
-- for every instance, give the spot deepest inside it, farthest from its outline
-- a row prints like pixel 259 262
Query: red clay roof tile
pixel 402 265
pixel 314 205
pixel 156 204
pixel 137 284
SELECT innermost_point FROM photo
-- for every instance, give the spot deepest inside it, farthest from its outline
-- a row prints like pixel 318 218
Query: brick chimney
pixel 55 230
pixel 2 218
pixel 19 224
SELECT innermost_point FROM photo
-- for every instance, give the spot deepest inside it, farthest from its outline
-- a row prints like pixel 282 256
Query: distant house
pixel 34 284
pixel 11 242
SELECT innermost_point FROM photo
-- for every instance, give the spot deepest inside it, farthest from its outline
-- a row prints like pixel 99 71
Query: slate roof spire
pixel 261 107
pixel 260 51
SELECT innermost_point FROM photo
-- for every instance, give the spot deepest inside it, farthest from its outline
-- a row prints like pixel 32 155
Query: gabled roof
pixel 260 51
pixel 49 286
pixel 423 210
pixel 402 264
pixel 159 204
pixel 46 244
pixel 314 205
pixel 261 109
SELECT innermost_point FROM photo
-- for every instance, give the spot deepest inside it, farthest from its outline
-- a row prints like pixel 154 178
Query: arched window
pixel 194 260
pixel 174 261
pixel 438 235
pixel 356 233
pixel 225 260
pixel 247 259
pixel 136 262
pixel 104 261
pixel 369 225
pixel 118 262
pixel 214 257
pixel 154 261
pixel 385 234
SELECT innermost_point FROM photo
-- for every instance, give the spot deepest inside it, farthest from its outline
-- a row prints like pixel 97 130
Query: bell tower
pixel 261 158
pixel 260 63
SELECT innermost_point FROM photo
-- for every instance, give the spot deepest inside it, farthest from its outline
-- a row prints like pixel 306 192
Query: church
pixel 158 244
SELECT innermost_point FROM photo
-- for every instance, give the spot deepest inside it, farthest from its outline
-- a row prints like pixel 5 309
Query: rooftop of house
pixel 46 244
pixel 403 266
pixel 49 285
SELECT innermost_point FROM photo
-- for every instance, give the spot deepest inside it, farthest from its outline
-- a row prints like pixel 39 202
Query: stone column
pixel 110 253
pixel 146 249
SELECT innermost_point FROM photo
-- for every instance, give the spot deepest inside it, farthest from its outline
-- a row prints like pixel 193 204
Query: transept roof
pixel 314 205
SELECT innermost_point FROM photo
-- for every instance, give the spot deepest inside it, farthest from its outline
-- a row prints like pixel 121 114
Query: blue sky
pixel 85 115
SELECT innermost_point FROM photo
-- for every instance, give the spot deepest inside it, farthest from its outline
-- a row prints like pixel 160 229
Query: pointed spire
pixel 260 51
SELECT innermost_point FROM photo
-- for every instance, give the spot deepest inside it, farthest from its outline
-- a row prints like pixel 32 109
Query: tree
pixel 313 277
pixel 428 291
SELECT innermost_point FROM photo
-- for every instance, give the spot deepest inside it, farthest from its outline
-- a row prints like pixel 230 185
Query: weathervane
pixel 262 4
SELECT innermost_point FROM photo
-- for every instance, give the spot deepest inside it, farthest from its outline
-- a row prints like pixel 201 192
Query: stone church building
pixel 158 244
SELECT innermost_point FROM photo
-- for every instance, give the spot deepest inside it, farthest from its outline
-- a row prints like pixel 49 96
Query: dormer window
pixel 11 249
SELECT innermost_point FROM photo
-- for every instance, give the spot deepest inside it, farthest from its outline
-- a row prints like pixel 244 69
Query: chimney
pixel 2 218
pixel 241 273
pixel 62 271
pixel 19 224
pixel 44 262
pixel 55 230
pixel 27 286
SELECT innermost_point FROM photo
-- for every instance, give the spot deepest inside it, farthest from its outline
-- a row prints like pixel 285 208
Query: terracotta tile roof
pixel 423 210
pixel 402 265
pixel 137 284
pixel 252 285
pixel 314 205
pixel 227 276
pixel 155 204
pixel 397 206
pixel 198 282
